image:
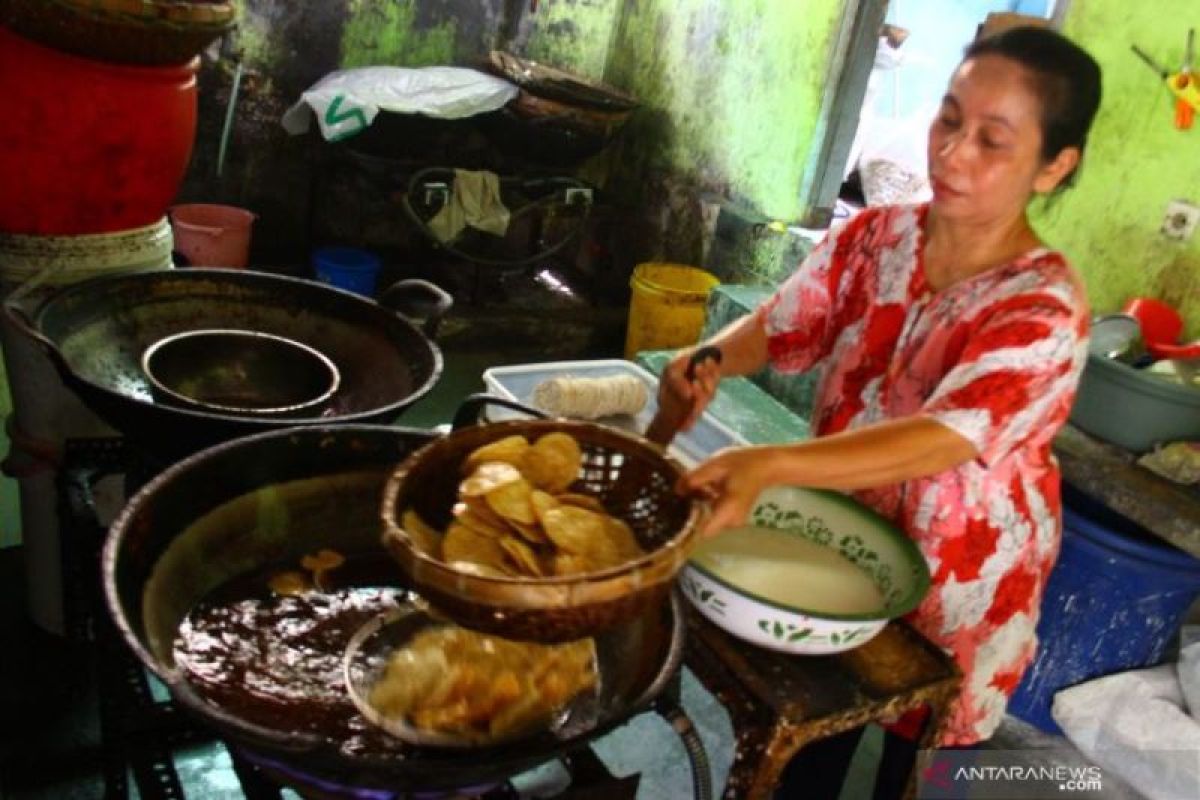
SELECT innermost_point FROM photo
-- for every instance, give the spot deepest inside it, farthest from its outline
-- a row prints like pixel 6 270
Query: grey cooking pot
pixel 96 331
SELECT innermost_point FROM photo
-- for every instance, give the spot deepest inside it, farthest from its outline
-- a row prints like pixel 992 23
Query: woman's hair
pixel 1067 82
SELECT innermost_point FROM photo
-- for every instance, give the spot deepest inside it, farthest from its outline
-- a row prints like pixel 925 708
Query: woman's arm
pixel 743 345
pixel 876 455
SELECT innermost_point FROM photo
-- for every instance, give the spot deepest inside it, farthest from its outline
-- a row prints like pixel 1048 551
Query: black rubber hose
pixel 423 227
pixel 697 756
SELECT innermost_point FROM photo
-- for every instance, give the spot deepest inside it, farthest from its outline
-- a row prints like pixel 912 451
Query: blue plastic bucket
pixel 347 268
pixel 1114 602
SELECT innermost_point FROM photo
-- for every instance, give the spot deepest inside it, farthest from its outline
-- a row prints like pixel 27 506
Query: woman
pixel 949 341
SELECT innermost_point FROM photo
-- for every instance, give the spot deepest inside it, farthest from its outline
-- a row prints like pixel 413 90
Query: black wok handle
pixel 418 299
pixel 20 319
pixel 670 416
pixel 472 406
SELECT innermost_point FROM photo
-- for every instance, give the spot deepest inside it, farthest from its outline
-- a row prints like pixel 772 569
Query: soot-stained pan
pixel 96 331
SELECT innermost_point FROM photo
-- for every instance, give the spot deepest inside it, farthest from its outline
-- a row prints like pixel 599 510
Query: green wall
pixel 569 34
pixel 1136 162
pixel 731 91
pixel 383 32
pixel 574 35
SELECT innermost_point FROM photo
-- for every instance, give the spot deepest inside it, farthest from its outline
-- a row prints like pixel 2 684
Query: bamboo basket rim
pixel 176 14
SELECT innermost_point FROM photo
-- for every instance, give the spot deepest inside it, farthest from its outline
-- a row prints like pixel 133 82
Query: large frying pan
pixel 326 483
pixel 96 331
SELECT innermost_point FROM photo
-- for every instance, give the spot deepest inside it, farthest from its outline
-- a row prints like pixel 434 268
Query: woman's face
pixel 985 143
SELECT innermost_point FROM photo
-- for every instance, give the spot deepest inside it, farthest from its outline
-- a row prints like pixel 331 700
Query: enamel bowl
pixel 832 520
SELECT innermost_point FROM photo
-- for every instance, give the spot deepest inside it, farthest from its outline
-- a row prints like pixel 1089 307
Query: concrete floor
pixel 51 746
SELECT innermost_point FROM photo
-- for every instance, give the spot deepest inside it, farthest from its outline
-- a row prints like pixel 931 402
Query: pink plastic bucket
pixel 209 235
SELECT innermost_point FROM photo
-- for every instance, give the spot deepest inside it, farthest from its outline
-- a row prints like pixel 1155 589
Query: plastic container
pixel 1114 602
pixel 210 235
pixel 667 307
pixel 87 146
pixel 347 268
pixel 1132 408
pixel 518 382
pixel 62 260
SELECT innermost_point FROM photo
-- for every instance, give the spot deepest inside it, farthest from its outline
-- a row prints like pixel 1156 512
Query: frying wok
pixel 96 331
pixel 325 483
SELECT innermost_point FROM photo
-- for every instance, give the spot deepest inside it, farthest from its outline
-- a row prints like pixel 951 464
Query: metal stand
pixel 780 703
pixel 138 733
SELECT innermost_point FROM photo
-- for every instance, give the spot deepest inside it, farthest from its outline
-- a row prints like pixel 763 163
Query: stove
pixel 144 733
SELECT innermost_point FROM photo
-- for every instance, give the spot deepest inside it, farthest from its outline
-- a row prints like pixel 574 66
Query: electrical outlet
pixel 1180 221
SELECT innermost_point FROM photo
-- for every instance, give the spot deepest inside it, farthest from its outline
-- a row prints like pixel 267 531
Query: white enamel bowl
pixel 832 520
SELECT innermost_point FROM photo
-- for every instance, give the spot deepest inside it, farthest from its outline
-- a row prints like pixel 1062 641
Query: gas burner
pixel 585 775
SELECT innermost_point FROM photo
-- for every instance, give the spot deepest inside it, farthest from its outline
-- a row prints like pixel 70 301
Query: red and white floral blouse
pixel 996 358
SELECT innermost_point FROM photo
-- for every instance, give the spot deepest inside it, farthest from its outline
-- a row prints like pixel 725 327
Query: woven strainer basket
pixel 136 32
pixel 631 477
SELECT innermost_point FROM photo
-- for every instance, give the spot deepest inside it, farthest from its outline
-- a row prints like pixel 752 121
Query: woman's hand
pixel 677 391
pixel 882 454
pixel 732 480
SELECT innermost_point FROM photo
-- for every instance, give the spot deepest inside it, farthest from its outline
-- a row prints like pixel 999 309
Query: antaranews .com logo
pixel 997 775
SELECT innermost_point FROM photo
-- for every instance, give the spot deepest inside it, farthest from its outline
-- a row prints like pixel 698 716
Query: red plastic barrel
pixel 87 146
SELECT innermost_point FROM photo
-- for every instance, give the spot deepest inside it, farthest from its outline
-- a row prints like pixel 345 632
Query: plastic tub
pixel 1114 602
pixel 347 268
pixel 87 146
pixel 62 260
pixel 667 307
pixel 210 235
pixel 517 382
pixel 1132 408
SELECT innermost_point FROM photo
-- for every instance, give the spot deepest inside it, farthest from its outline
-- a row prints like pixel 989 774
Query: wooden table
pixel 1110 475
pixel 779 703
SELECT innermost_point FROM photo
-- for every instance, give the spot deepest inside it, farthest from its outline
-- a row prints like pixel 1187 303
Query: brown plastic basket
pixel 139 32
pixel 632 477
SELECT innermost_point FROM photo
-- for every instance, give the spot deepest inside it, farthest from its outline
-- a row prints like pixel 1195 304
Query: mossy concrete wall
pixel 286 47
pixel 731 96
pixel 575 35
pixel 731 92
pixel 1135 164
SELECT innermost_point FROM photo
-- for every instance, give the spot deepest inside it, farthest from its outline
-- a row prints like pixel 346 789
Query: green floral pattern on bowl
pixel 832 520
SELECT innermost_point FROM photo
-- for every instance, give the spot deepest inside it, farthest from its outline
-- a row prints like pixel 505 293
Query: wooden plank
pixel 1109 474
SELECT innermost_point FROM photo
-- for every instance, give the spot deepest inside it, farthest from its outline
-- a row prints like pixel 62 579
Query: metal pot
pixel 239 372
pixel 96 331
pixel 179 538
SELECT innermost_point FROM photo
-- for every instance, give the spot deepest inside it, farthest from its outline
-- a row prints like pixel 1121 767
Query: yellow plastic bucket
pixel 667 308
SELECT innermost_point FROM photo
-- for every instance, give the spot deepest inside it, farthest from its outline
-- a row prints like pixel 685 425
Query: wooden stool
pixel 780 703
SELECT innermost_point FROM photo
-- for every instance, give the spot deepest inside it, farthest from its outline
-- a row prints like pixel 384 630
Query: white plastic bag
pixel 1134 724
pixel 893 162
pixel 347 101
pixel 1189 678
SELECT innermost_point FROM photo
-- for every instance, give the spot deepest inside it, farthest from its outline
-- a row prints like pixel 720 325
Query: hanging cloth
pixel 474 202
